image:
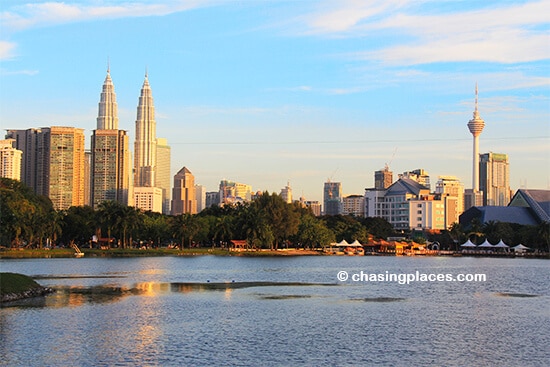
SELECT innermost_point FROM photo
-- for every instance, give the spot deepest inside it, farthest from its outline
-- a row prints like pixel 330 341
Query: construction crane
pixel 387 165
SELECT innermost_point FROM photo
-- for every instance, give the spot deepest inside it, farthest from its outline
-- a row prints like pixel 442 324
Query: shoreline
pixel 6 253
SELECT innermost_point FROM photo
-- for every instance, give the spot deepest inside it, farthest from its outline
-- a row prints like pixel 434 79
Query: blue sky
pixel 265 92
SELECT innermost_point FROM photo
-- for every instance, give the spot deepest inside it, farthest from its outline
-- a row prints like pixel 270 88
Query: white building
pixel 148 199
pixel 10 160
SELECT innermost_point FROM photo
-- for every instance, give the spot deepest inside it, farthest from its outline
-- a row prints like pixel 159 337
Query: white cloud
pixel 7 50
pixel 51 13
pixel 505 34
pixel 18 72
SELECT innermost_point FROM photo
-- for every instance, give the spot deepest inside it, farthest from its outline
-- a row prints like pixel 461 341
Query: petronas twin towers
pixel 111 173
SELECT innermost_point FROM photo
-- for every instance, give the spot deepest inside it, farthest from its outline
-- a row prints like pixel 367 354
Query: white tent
pixel 520 248
pixel 501 244
pixel 355 244
pixel 342 243
pixel 468 244
pixel 486 244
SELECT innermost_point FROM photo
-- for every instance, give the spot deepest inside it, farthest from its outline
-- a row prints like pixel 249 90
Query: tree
pixel 185 226
pixel 129 219
pixel 312 233
pixel 108 214
pixel 78 224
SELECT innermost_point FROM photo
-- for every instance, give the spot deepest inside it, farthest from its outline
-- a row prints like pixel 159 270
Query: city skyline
pixel 293 91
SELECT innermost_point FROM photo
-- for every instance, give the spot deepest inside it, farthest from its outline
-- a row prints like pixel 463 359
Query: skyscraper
pixel 332 198
pixel 163 175
pixel 145 145
pixel 110 148
pixel 495 179
pixel 183 194
pixel 53 163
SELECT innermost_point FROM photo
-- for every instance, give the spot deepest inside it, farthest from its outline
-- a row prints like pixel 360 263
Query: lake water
pixel 278 311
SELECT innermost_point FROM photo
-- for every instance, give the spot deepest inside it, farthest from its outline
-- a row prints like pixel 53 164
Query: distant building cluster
pixel 53 162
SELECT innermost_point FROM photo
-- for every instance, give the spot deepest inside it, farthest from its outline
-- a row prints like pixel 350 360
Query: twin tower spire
pixel 145 139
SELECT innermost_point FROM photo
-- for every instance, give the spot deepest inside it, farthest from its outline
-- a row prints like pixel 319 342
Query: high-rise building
pixel 111 169
pixel 10 160
pixel 383 178
pixel 163 179
pixel 145 146
pixel 88 178
pixel 27 141
pixel 183 194
pixel 286 193
pixel 494 179
pixel 332 198
pixel 53 163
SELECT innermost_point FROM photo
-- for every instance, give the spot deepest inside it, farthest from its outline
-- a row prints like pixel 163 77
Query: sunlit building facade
pixel 10 160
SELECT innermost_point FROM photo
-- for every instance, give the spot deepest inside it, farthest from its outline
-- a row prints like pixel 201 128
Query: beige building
pixel 427 213
pixel 494 179
pixel 286 193
pixel 184 199
pixel 164 179
pixel 148 199
pixel 53 163
pixel 10 160
pixel 451 190
pixel 354 205
pixel 232 192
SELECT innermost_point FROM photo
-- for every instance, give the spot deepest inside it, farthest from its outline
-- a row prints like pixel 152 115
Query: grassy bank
pixel 16 283
pixel 133 252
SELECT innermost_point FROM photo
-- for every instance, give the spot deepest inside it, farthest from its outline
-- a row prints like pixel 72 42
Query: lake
pixel 278 311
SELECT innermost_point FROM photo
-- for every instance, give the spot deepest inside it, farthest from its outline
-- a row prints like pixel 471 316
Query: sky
pixel 269 92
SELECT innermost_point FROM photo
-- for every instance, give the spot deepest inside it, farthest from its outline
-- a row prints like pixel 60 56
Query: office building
pixel 494 179
pixel 164 179
pixel 332 198
pixel 53 163
pixel 354 205
pixel 183 193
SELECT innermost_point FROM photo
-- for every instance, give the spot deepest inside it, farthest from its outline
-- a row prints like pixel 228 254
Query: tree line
pixel 29 220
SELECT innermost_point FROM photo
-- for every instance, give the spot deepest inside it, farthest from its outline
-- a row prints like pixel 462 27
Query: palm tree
pixel 109 213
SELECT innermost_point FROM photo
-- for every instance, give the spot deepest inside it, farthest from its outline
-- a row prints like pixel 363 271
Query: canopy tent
pixel 468 244
pixel 486 244
pixel 520 248
pixel 342 243
pixel 501 244
pixel 355 244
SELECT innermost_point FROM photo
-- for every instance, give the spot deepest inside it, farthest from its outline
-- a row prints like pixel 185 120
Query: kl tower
pixel 476 125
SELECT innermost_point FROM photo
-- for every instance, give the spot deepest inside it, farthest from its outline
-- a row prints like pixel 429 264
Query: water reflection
pixel 74 296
